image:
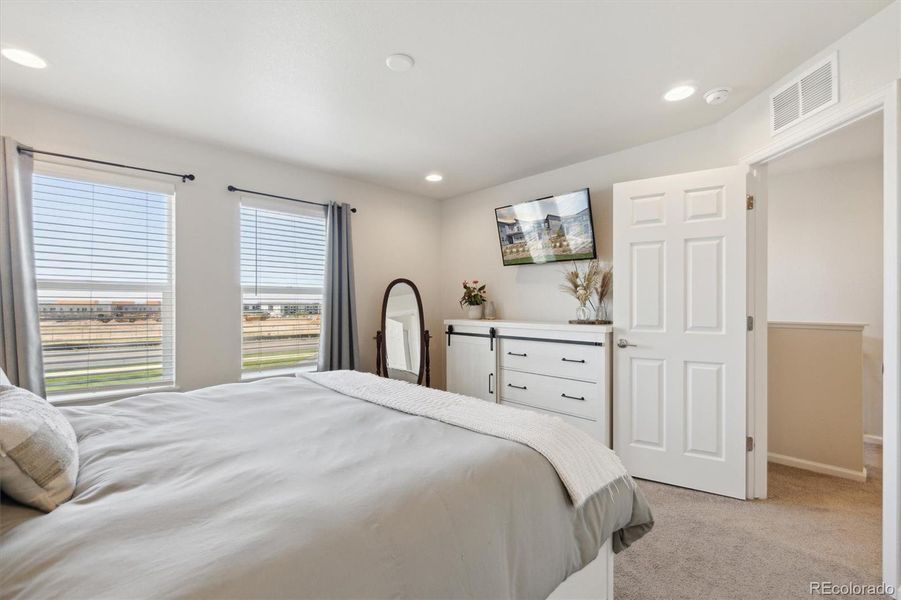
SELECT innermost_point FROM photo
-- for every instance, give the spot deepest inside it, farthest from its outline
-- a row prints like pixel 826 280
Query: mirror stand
pixel 426 338
pixel 402 342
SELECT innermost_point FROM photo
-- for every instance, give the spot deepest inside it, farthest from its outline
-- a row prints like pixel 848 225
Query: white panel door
pixel 397 346
pixel 471 367
pixel 679 254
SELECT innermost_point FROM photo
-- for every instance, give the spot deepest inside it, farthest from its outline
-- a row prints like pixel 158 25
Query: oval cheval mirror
pixel 402 344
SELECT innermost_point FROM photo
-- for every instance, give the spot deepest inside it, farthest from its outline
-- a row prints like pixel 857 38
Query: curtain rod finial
pixel 232 188
pixel 353 210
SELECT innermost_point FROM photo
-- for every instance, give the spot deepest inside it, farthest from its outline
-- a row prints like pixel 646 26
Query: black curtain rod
pixel 232 188
pixel 184 176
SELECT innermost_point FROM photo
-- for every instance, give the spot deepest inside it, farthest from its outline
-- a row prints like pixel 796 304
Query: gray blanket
pixel 285 489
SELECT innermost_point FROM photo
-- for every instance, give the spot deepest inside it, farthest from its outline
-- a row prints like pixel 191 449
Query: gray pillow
pixel 38 450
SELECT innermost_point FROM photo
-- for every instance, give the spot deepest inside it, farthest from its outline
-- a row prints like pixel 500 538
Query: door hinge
pixel 750 323
pixel 750 202
pixel 749 444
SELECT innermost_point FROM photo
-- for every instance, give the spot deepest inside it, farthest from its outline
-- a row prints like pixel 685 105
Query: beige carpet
pixel 811 528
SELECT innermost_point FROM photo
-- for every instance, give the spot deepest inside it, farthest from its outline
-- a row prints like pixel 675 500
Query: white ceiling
pixel 859 141
pixel 500 90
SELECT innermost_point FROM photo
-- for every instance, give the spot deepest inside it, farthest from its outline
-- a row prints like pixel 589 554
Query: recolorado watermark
pixel 829 588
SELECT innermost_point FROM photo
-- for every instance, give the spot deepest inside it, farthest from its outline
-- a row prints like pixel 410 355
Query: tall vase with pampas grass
pixel 580 283
pixel 602 291
pixel 587 283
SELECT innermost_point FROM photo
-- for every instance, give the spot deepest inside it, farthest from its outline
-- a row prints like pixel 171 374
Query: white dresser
pixel 553 368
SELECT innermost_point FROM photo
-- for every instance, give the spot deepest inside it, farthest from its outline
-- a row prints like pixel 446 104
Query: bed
pixel 285 488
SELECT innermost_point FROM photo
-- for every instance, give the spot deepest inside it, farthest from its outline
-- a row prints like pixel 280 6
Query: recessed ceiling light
pixel 434 177
pixel 24 58
pixel 680 92
pixel 399 62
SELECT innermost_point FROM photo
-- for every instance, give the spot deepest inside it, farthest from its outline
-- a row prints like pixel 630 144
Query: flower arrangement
pixel 582 284
pixel 473 294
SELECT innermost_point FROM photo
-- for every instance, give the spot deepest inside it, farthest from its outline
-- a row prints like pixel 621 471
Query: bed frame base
pixel 593 582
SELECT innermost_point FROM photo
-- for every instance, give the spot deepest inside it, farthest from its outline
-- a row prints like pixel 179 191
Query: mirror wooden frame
pixel 381 355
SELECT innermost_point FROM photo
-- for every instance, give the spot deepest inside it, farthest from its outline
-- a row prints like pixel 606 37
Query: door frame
pixel 888 101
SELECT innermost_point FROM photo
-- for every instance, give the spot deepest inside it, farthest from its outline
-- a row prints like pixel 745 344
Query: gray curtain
pixel 20 334
pixel 338 344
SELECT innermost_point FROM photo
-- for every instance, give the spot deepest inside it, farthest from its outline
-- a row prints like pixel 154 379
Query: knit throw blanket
pixel 584 465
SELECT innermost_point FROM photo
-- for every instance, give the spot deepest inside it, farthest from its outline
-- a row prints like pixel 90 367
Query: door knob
pixel 624 343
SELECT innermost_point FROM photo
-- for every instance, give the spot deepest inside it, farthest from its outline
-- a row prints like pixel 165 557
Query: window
pixel 282 274
pixel 104 264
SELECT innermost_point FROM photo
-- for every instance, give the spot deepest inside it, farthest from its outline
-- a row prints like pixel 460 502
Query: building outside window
pixel 104 258
pixel 282 276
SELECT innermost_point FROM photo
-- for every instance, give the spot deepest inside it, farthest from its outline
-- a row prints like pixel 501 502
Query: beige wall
pixel 814 408
pixel 825 258
pixel 395 234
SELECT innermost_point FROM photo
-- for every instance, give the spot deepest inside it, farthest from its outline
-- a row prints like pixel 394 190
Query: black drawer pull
pixel 519 387
pixel 572 360
pixel 517 354
pixel 582 398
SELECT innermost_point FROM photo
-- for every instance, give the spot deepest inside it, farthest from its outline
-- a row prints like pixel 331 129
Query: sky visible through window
pixel 281 249
pixel 282 274
pixel 89 232
pixel 103 260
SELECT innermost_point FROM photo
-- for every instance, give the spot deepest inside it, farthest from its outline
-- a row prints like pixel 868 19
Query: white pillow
pixel 4 380
pixel 38 450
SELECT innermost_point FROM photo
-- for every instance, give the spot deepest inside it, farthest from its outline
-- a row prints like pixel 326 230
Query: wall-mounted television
pixel 552 229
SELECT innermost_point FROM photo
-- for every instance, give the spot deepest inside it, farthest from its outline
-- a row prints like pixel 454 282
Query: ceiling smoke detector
pixel 717 95
pixel 400 62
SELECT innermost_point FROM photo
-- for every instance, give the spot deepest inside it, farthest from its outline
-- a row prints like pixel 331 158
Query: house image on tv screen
pixel 547 230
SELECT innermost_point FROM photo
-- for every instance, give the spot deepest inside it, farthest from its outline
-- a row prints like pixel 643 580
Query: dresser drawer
pixel 574 361
pixel 567 396
pixel 592 428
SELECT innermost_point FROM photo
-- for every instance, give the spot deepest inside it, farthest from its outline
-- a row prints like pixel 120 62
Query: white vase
pixel 490 311
pixel 474 311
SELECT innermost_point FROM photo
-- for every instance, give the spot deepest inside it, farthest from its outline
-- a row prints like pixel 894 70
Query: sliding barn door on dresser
pixel 471 362
pixel 557 369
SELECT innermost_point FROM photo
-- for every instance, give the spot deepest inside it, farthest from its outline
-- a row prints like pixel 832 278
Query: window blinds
pixel 104 265
pixel 282 274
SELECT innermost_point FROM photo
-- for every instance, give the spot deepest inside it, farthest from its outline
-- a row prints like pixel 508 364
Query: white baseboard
pixel 872 439
pixel 809 465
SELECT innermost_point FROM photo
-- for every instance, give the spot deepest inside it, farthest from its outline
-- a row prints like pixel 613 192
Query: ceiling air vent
pixel 786 107
pixel 812 91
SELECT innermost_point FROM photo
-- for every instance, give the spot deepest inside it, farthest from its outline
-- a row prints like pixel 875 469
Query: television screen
pixel 547 230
